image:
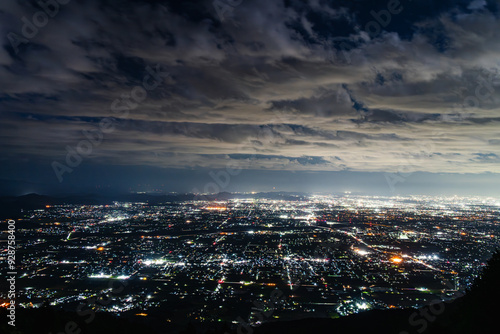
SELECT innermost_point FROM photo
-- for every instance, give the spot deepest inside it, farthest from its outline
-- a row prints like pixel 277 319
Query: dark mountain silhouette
pixel 49 321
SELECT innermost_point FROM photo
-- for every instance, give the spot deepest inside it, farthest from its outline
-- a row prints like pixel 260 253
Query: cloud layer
pixel 275 85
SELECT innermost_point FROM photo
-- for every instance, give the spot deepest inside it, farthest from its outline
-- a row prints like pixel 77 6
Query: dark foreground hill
pixel 476 312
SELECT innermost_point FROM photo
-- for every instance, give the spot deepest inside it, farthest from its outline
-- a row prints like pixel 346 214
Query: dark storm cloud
pixel 274 85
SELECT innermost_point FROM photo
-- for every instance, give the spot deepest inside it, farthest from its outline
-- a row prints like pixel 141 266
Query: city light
pixel 181 251
pixel 396 259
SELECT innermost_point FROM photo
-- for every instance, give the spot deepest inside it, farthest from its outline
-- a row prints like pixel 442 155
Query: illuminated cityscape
pixel 212 261
pixel 249 166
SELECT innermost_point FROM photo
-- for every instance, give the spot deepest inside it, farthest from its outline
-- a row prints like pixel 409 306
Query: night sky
pixel 385 97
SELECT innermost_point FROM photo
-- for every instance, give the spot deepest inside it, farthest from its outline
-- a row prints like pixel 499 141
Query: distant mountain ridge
pixel 11 206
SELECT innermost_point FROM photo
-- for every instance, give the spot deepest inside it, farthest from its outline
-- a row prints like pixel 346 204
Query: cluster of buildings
pixel 219 260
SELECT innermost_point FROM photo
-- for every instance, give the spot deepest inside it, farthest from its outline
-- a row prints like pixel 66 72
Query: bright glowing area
pixel 363 306
pixel 122 277
pixel 396 259
pixel 101 275
pixel 428 257
pixel 361 252
pixel 154 262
